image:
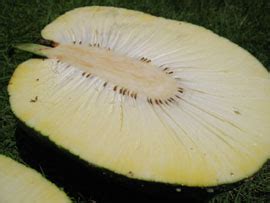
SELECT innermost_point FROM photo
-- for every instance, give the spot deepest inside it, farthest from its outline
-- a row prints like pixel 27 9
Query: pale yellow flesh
pixel 19 184
pixel 216 131
pixel 167 43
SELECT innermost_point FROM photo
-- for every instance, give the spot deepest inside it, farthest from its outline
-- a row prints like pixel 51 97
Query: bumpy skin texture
pixel 214 130
pixel 21 184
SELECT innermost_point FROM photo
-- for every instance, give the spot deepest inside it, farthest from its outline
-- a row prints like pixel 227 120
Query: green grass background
pixel 244 22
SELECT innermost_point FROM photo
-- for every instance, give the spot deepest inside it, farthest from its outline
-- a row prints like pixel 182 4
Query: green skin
pixel 33 48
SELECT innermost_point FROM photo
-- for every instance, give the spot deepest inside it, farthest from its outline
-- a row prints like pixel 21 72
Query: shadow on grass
pixel 90 184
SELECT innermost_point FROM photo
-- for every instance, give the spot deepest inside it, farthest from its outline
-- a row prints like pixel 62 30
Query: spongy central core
pixel 137 75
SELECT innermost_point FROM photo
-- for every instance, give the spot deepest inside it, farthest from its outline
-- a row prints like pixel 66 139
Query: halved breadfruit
pixel 19 183
pixel 147 97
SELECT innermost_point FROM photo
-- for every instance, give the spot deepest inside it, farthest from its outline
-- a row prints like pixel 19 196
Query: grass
pixel 242 21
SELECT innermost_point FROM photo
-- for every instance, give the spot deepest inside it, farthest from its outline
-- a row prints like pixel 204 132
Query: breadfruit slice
pixel 146 97
pixel 21 184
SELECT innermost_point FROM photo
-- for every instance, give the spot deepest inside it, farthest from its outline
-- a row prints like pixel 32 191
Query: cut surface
pixel 134 77
pixel 146 97
pixel 167 43
pixel 21 184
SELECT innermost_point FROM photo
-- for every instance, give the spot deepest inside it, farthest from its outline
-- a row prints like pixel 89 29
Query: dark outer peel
pixel 79 173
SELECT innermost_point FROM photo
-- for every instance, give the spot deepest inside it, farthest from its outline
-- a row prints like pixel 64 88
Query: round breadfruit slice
pixel 146 97
pixel 19 183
